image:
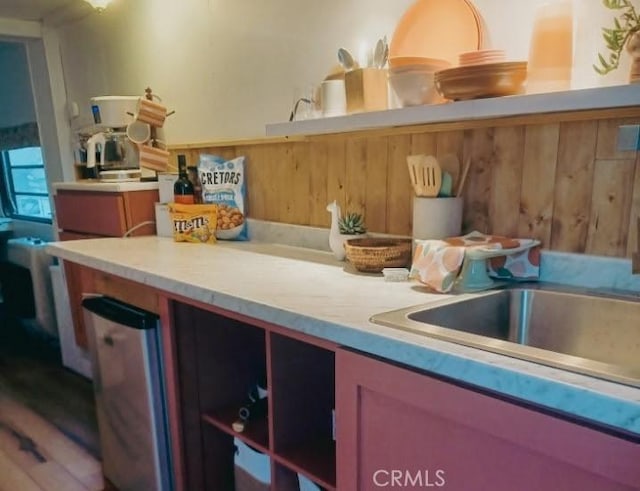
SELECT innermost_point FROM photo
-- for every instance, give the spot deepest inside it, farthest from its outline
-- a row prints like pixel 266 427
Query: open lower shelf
pixel 222 361
pixel 316 459
pixel 256 432
pixel 303 392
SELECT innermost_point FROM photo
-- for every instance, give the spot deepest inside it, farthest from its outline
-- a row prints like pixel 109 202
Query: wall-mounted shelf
pixel 600 98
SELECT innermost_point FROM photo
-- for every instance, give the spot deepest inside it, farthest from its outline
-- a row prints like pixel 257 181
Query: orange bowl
pixel 479 81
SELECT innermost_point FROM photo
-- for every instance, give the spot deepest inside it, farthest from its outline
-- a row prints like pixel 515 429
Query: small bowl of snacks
pixel 373 254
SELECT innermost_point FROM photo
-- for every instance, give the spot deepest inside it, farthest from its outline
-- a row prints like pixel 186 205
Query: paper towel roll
pixel 437 218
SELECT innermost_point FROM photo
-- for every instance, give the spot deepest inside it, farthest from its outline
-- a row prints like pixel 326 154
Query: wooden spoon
pixel 463 178
pixel 635 258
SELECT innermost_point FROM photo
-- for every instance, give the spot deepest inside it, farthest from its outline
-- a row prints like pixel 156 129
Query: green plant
pixel 626 24
pixel 352 224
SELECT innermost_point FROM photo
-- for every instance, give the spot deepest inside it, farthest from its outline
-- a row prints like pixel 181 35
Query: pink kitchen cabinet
pixel 398 428
pixel 92 213
pixel 95 214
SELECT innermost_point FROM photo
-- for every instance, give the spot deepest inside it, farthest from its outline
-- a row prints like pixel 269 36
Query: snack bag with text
pixel 223 184
pixel 194 223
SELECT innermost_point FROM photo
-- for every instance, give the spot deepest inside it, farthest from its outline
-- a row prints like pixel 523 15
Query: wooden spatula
pixel 413 164
pixel 431 176
pixel 425 174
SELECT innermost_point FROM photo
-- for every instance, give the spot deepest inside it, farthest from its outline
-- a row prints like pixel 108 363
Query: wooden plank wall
pixel 561 182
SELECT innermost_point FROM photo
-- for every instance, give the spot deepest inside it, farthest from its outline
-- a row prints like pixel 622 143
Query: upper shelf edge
pixel 499 107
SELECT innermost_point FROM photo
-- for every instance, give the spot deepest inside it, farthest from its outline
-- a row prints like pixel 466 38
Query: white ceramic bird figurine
pixel 336 239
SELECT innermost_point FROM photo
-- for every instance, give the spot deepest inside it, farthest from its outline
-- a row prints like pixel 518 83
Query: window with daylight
pixel 24 182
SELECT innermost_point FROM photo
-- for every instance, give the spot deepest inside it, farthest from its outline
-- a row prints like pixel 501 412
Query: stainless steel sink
pixel 591 332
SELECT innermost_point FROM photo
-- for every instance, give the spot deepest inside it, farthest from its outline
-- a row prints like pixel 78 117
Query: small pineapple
pixel 352 224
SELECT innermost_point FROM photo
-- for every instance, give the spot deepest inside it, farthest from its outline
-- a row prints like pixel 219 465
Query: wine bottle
pixel 183 191
pixel 255 408
pixel 192 172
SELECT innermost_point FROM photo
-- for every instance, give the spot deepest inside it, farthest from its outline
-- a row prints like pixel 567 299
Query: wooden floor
pixel 48 431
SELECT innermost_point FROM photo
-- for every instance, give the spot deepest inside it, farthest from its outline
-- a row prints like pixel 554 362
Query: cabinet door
pixel 84 214
pixel 399 428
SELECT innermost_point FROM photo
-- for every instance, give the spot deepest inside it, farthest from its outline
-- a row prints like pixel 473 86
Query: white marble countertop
pixel 309 291
pixel 106 187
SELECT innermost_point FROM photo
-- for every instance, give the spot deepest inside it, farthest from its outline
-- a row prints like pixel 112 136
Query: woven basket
pixel 372 254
